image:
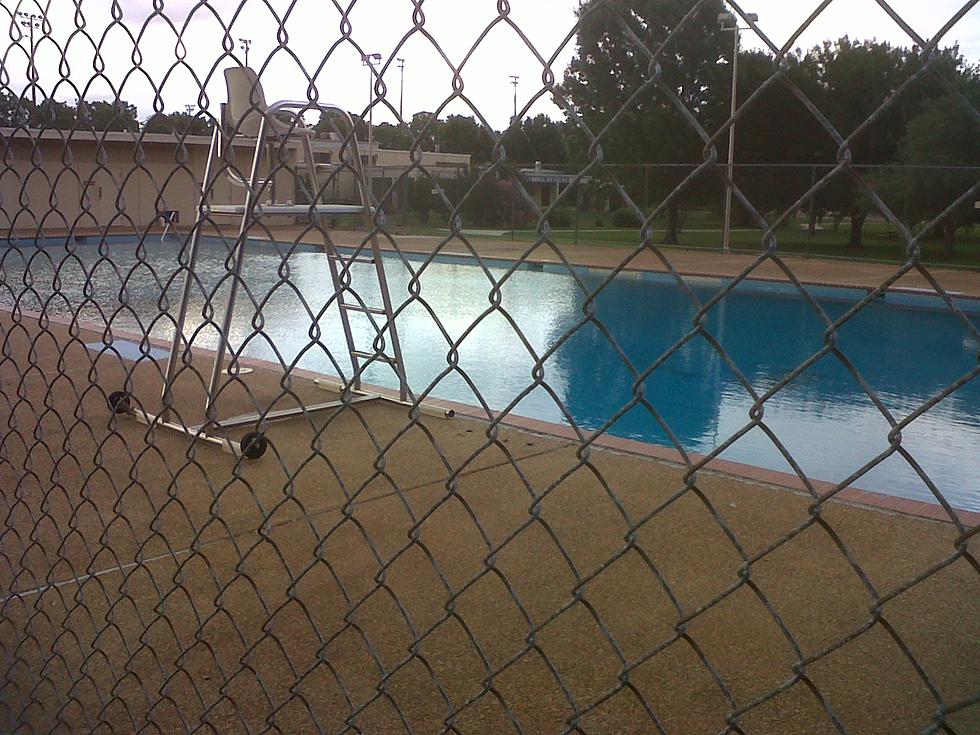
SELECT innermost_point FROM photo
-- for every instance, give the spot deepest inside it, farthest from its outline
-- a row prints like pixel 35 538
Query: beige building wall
pixel 62 181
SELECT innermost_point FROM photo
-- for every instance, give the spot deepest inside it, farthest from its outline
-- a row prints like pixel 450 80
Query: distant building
pixel 65 179
pixel 546 185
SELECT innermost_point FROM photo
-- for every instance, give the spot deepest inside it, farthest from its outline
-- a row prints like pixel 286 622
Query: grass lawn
pixel 880 241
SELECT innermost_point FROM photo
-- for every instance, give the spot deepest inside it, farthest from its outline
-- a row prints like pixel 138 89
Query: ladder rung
pixel 373 356
pixel 342 259
pixel 364 309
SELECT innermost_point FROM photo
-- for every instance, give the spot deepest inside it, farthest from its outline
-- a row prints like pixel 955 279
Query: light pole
pixel 370 61
pixel 729 22
pixel 401 97
pixel 30 21
pixel 246 44
pixel 514 79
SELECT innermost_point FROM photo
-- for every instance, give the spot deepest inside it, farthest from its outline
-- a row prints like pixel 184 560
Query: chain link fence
pixel 269 462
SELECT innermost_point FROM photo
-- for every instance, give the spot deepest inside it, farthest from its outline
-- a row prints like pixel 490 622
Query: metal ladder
pixel 387 332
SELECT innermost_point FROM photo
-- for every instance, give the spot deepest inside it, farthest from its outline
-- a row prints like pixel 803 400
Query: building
pixel 59 180
pixel 546 185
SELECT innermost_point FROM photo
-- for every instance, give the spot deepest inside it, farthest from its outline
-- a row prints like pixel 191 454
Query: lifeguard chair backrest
pixel 246 102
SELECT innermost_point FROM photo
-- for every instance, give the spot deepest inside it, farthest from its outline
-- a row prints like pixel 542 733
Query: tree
pixel 574 144
pixel 609 68
pixel 425 127
pixel 117 116
pixel 459 134
pixel 53 115
pixel 178 123
pixel 392 137
pixel 944 135
pixel 493 201
pixel 14 111
pixel 537 139
pixel 420 197
pixel 49 114
pixel 325 126
pixel 855 79
pixel 775 130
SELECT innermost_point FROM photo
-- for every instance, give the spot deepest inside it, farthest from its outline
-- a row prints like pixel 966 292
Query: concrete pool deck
pixel 181 586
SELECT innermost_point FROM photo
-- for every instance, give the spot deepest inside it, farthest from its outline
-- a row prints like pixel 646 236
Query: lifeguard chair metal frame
pixel 247 115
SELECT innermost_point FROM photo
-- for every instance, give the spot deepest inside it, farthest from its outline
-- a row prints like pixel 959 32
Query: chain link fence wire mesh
pixel 338 555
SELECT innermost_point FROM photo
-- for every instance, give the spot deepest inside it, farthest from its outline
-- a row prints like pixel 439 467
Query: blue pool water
pixel 906 349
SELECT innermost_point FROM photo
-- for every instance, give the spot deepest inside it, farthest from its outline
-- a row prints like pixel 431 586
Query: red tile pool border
pixel 825 490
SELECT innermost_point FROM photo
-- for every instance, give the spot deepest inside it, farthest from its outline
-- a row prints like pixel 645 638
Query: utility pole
pixel 401 97
pixel 246 44
pixel 514 79
pixel 729 22
pixel 30 21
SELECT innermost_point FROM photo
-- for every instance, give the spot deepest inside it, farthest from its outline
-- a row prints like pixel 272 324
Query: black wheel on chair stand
pixel 254 445
pixel 119 402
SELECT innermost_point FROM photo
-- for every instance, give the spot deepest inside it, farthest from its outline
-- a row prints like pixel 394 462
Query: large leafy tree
pixel 779 139
pixel 611 66
pixel 179 123
pixel 855 78
pixel 325 125
pixel 53 115
pixel 117 116
pixel 940 146
pixel 392 137
pixel 48 114
pixel 459 134
pixel 14 111
pixel 537 138
pixel 425 127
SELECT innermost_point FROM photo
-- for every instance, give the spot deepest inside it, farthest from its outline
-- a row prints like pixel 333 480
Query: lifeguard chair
pixel 271 129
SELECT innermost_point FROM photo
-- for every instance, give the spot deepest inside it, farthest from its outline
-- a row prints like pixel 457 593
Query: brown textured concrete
pixel 332 583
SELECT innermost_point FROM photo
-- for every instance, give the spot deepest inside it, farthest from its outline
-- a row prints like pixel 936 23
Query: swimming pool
pixel 905 347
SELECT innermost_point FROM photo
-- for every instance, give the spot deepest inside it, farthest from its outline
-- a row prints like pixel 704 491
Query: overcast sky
pixel 386 27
